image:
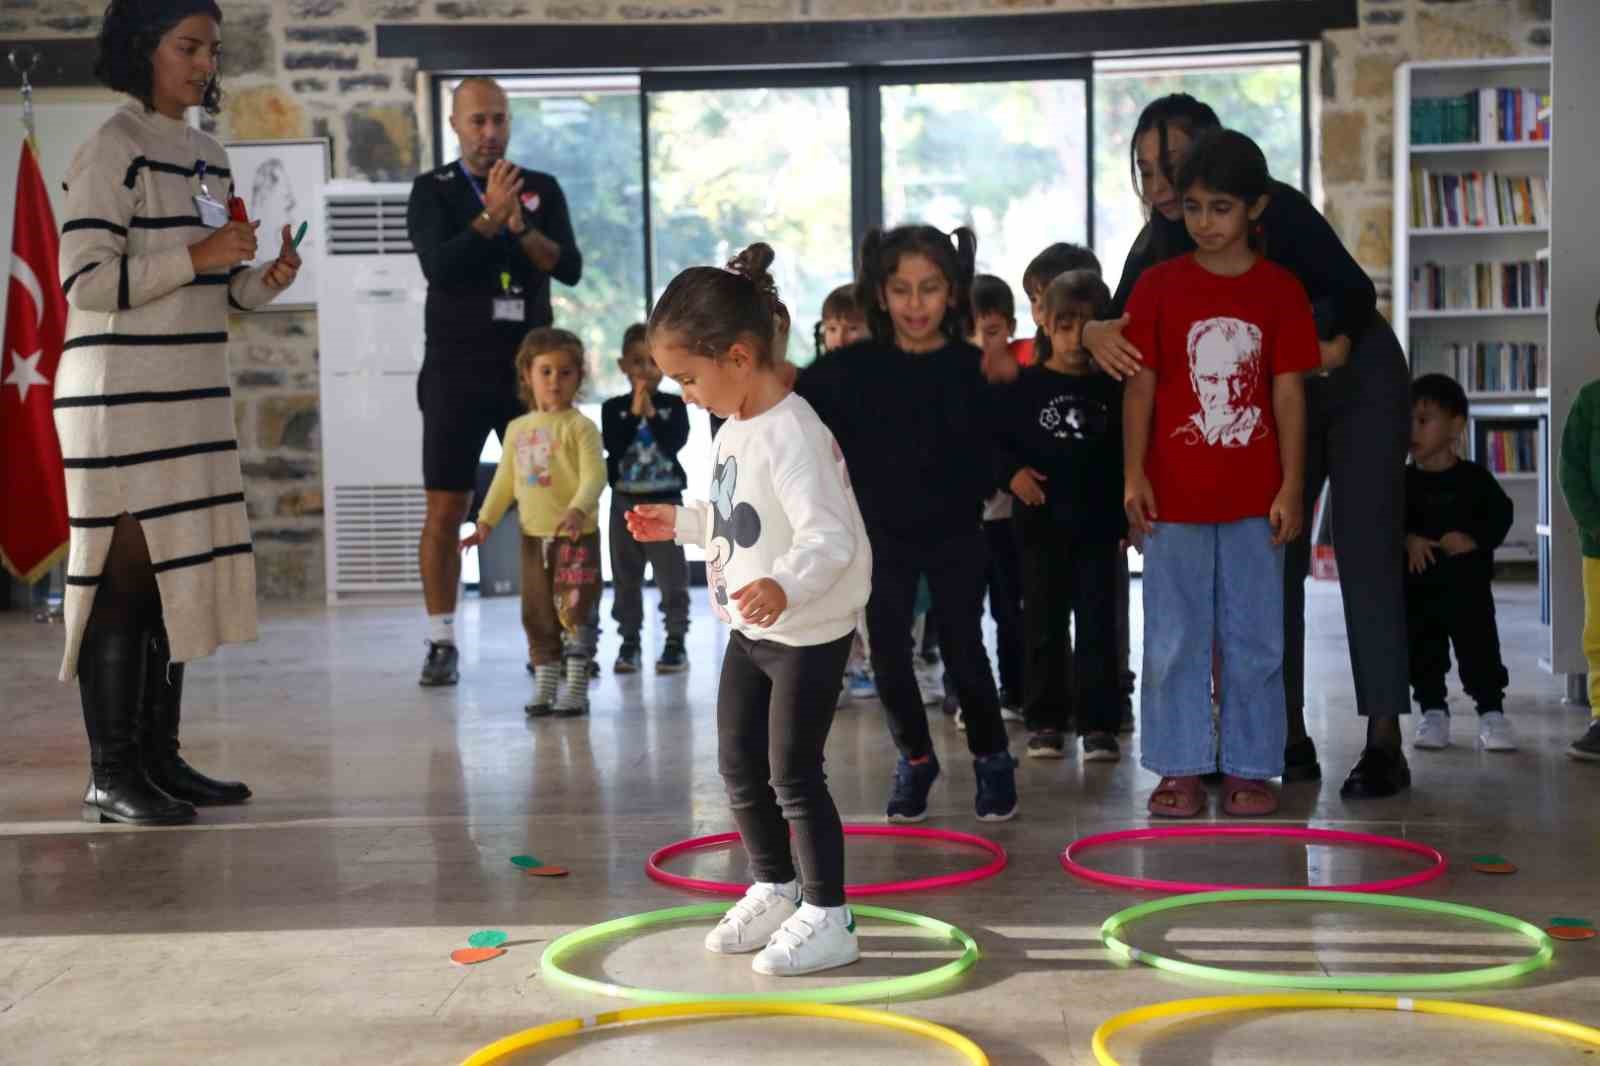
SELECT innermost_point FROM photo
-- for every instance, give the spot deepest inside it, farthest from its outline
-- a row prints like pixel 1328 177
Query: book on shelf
pixel 1488 366
pixel 1477 199
pixel 1506 286
pixel 1483 116
pixel 1509 451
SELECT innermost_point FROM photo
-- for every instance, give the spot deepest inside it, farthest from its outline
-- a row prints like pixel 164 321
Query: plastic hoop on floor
pixel 501 1049
pixel 1385 982
pixel 887 988
pixel 1331 1001
pixel 1070 863
pixel 877 888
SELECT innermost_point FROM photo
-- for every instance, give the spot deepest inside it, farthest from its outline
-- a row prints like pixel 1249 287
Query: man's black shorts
pixel 462 401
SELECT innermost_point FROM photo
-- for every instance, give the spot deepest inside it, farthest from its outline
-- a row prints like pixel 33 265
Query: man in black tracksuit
pixel 490 236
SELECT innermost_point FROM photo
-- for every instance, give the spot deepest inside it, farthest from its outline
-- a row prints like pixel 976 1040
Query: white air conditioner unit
pixel 370 298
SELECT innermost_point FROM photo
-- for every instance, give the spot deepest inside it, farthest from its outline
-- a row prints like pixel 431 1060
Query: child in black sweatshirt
pixel 909 409
pixel 644 430
pixel 1059 448
pixel 1456 515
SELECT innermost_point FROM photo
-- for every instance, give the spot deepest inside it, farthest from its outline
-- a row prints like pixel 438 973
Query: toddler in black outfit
pixel 1059 448
pixel 1456 515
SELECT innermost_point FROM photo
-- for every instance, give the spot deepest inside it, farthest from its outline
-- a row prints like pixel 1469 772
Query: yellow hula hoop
pixel 501 1049
pixel 1332 1001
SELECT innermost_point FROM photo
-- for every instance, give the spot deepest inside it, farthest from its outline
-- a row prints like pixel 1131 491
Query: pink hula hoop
pixel 876 888
pixel 1070 863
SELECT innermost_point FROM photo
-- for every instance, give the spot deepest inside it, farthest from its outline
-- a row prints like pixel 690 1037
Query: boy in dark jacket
pixel 643 432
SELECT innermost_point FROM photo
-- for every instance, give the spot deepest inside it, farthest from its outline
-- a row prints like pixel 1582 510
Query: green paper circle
pixel 1383 982
pixel 527 862
pixel 892 987
pixel 487 938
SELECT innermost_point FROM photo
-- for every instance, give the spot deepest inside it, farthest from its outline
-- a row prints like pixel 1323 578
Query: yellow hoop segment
pixel 1332 1001
pixel 501 1049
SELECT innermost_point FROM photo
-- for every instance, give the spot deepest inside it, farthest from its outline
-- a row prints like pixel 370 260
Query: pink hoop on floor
pixel 1070 863
pixel 876 888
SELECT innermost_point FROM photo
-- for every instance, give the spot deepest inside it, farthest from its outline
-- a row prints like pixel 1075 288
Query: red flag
pixel 33 488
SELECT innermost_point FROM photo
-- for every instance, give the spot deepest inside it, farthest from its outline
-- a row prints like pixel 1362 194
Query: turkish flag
pixel 33 487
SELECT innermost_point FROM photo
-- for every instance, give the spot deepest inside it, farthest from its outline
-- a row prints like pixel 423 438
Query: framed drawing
pixel 280 183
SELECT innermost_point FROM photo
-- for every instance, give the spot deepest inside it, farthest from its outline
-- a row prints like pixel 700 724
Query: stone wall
pixel 297 68
pixel 1357 95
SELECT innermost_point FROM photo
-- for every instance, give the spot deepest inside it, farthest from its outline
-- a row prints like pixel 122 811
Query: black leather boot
pixel 158 734
pixel 110 676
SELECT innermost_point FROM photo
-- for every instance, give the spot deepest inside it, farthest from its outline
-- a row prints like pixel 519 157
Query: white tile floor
pixel 313 926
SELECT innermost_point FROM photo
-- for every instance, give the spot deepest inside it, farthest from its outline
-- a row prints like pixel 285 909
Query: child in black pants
pixel 1456 515
pixel 994 319
pixel 789 567
pixel 1059 447
pixel 643 432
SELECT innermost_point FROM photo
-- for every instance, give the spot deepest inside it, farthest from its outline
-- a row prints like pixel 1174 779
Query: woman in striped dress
pixel 160 570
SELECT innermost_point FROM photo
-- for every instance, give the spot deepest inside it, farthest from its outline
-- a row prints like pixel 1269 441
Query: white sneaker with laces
pixel 751 923
pixel 814 939
pixel 1433 732
pixel 1494 732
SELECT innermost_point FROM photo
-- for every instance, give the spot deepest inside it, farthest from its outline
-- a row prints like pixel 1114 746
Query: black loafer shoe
pixel 1300 762
pixel 1378 773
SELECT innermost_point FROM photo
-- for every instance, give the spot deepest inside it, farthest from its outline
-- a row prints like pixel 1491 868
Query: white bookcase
pixel 1422 331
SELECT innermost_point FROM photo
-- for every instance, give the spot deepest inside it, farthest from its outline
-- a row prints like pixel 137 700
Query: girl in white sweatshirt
pixel 789 567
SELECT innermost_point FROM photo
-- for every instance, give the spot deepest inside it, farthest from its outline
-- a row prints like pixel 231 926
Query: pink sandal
pixel 1178 797
pixel 1244 797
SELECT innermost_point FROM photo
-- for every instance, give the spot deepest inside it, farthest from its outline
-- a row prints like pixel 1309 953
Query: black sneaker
pixel 997 787
pixel 627 660
pixel 1101 747
pixel 1379 773
pixel 1047 744
pixel 908 797
pixel 439 668
pixel 1300 762
pixel 539 710
pixel 672 660
pixel 1587 747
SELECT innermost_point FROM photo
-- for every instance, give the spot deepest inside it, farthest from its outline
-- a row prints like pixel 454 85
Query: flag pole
pixel 23 59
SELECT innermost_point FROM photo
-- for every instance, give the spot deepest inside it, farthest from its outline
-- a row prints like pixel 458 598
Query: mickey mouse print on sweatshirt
pixel 781 507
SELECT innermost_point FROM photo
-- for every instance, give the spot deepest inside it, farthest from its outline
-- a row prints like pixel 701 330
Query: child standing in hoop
pixel 789 567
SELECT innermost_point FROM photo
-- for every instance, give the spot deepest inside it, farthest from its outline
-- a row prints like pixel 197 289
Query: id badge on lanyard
pixel 213 215
pixel 509 305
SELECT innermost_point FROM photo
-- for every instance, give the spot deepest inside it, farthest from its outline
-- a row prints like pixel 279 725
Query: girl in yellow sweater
pixel 553 468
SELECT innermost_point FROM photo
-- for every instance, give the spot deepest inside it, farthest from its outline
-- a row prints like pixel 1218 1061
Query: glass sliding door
pixel 1007 158
pixel 732 166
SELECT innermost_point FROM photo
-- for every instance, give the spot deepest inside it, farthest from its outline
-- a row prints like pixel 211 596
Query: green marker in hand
pixel 299 234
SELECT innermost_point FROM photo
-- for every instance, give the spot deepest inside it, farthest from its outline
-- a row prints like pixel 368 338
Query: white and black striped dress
pixel 142 399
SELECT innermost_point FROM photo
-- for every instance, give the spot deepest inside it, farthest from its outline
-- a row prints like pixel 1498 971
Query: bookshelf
pixel 1471 217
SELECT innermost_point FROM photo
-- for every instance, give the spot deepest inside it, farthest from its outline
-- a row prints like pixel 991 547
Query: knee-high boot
pixel 110 677
pixel 158 733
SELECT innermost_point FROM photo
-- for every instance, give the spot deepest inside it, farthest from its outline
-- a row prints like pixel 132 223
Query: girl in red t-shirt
pixel 1214 457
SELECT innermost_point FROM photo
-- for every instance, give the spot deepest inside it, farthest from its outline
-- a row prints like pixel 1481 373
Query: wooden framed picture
pixel 280 183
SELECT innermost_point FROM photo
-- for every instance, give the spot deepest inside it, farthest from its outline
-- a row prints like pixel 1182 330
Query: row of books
pixel 1480 286
pixel 1490 366
pixel 1477 199
pixel 1510 451
pixel 1483 116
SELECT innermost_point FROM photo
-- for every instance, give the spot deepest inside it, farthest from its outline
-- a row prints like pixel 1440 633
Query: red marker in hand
pixel 236 211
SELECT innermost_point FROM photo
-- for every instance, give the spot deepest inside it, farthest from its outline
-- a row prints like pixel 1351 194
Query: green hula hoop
pixel 888 988
pixel 1380 982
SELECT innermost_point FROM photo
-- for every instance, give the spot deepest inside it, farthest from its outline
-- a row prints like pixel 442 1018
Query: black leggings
pixel 126 598
pixel 956 570
pixel 775 706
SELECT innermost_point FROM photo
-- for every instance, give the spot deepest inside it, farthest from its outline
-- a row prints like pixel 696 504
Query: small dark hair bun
pixel 754 264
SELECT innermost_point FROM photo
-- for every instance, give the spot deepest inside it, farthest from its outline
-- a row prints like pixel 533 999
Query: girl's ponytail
pixel 711 309
pixel 959 324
